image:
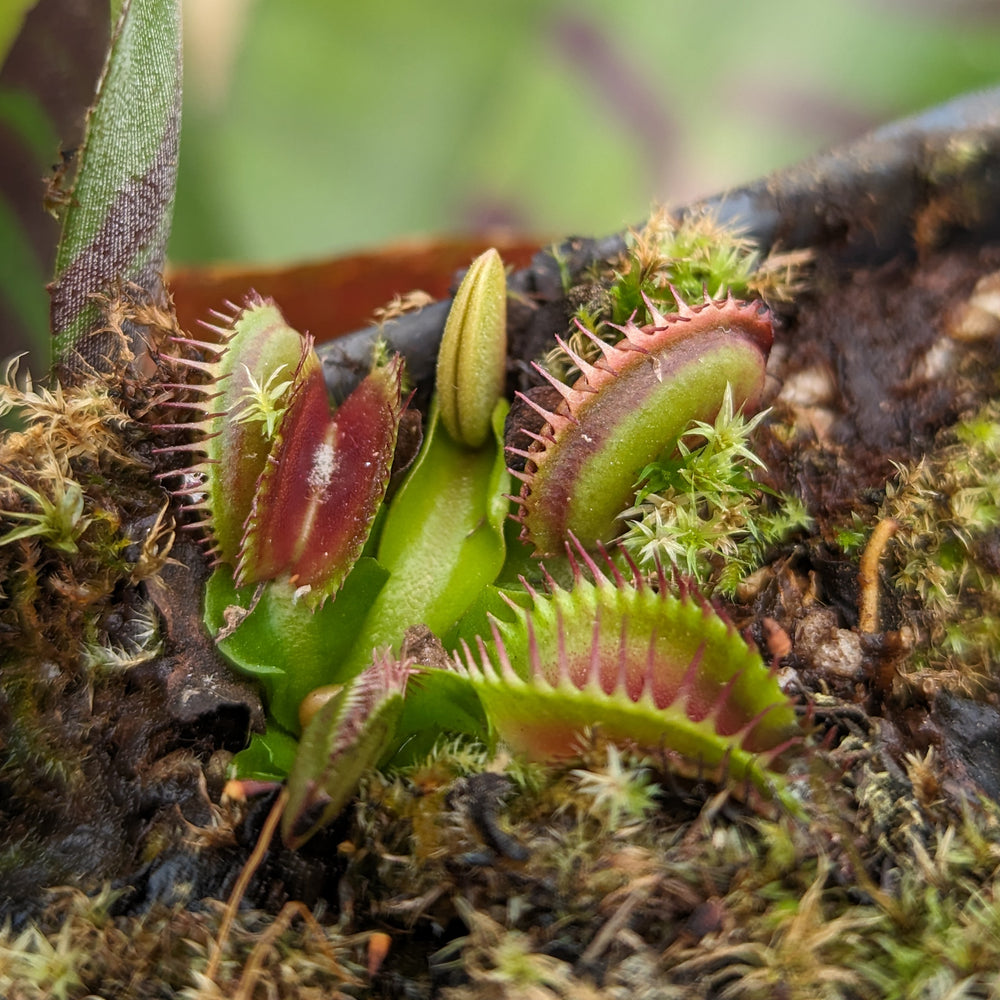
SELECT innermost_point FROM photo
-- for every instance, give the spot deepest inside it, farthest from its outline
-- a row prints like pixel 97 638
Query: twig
pixel 248 872
pixel 868 575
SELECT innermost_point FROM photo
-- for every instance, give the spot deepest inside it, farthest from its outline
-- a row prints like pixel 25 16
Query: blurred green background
pixel 315 127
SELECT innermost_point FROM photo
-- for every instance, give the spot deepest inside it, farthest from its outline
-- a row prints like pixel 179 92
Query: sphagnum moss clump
pixel 882 892
pixel 946 552
pixel 80 520
pixel 667 260
pixel 702 510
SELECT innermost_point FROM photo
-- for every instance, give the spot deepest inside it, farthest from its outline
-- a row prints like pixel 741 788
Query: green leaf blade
pixel 116 226
pixel 443 539
pixel 284 645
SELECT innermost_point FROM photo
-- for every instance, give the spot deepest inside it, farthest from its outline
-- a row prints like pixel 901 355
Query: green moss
pixel 946 552
pixel 671 259
pixel 701 510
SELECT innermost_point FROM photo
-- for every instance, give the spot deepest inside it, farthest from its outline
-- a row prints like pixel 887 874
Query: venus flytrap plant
pixel 443 538
pixel 638 664
pixel 442 543
pixel 701 694
pixel 617 674
pixel 220 489
pixel 344 740
pixel 473 355
pixel 315 527
pixel 288 491
pixel 300 501
pixel 629 408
